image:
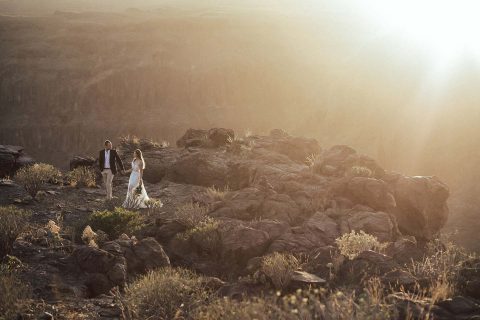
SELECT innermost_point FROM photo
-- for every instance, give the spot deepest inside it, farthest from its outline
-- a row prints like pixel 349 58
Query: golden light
pixel 447 30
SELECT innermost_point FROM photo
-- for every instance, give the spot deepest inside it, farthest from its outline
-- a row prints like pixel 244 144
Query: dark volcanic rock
pixel 82 161
pixel 421 205
pixel 12 158
pixel 104 270
pixel 192 138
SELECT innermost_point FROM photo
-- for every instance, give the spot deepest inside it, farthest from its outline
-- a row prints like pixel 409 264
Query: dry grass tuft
pixel 217 194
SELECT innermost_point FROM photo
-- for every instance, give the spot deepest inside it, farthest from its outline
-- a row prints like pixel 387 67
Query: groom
pixel 108 159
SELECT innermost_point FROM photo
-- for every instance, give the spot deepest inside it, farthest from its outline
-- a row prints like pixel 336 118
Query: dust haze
pixel 76 72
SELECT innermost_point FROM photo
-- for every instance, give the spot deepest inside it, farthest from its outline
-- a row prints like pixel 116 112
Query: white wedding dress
pixel 134 199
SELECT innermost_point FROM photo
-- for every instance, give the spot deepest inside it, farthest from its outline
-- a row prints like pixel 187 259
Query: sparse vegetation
pixel 13 291
pixel 279 268
pixel 190 214
pixel 353 243
pixel 115 222
pixel 166 293
pixel 81 177
pixel 13 221
pixel 217 194
pixel 228 309
pixel 204 237
pixel 131 143
pixel 34 177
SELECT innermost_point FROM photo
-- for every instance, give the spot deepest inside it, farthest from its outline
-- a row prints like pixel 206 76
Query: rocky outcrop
pixel 308 206
pixel 103 269
pixel 111 265
pixel 215 137
pixel 12 158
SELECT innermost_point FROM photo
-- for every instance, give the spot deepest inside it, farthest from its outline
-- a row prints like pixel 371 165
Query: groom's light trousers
pixel 107 181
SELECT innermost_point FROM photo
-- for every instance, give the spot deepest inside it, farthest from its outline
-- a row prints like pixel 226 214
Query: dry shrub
pixel 360 171
pixel 228 309
pixel 315 162
pixel 352 244
pixel 34 177
pixel 81 177
pixel 13 291
pixel 205 237
pixel 153 207
pixel 190 214
pixel 279 268
pixel 440 268
pixel 13 221
pixel 217 194
pixel 166 293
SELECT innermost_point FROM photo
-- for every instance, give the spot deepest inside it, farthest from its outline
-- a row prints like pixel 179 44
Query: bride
pixel 136 194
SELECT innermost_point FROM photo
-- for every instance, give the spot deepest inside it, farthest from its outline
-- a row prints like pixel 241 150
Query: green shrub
pixel 81 177
pixel 13 221
pixel 114 222
pixel 166 293
pixel 204 237
pixel 352 244
pixel 34 177
pixel 190 214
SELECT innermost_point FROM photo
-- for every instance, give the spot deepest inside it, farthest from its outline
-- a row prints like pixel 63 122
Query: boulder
pixel 13 158
pixel 295 148
pixel 158 162
pixel 339 159
pixel 200 167
pixel 82 161
pixel 379 224
pixel 421 209
pixel 240 242
pixel 143 255
pixel 220 136
pixel 192 138
pixel 104 270
pixel 371 192
pixel 318 231
pixel 258 203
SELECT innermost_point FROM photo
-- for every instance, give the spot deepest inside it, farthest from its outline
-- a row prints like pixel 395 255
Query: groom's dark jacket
pixel 114 160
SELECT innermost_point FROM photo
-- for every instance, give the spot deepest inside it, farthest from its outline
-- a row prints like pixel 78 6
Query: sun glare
pixel 447 30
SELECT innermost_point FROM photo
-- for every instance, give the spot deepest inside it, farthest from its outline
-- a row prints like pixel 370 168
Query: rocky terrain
pixel 230 203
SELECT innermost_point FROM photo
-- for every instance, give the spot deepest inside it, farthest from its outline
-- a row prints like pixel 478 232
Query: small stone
pixel 46 316
pixel 52 192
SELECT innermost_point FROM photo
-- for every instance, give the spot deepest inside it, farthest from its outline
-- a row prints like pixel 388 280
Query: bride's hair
pixel 139 155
